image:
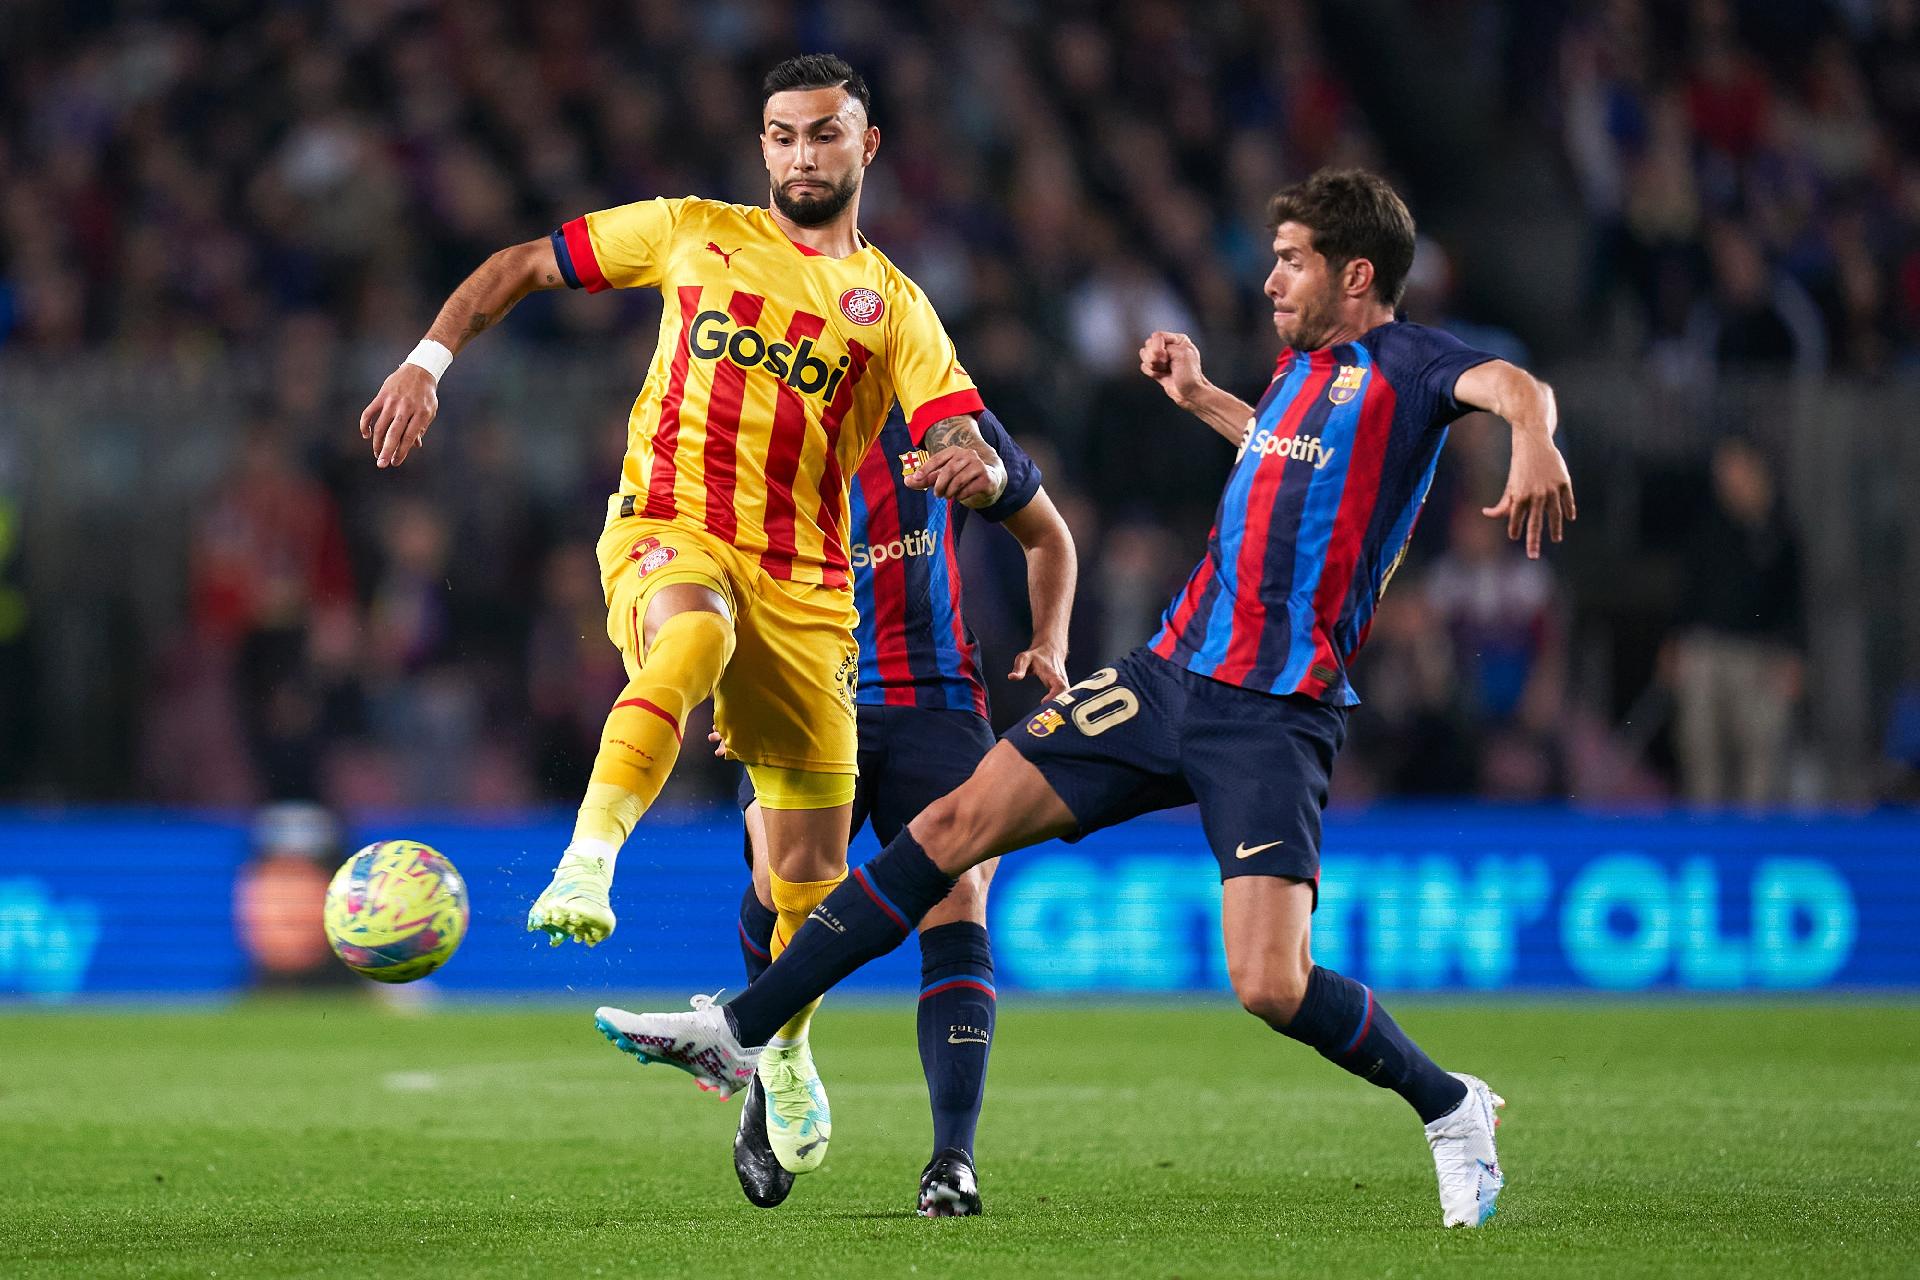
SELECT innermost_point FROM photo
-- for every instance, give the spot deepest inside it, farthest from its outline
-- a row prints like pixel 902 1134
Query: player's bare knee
pixel 679 598
pixel 952 830
pixel 970 896
pixel 939 828
pixel 802 857
pixel 1271 992
pixel 967 903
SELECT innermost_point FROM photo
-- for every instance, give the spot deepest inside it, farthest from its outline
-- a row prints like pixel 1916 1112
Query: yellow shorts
pixel 786 698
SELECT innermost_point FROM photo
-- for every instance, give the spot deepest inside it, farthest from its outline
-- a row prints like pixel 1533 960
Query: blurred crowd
pixel 1752 176
pixel 302 183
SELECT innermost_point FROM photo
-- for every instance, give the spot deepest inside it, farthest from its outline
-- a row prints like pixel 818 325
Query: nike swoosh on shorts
pixel 1241 850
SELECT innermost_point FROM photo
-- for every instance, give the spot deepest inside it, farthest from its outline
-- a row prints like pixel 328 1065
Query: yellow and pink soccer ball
pixel 396 911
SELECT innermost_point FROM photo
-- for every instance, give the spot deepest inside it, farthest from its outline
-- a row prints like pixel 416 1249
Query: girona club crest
pixel 862 306
pixel 650 554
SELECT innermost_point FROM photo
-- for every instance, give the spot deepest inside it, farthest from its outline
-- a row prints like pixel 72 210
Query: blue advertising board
pixel 1472 899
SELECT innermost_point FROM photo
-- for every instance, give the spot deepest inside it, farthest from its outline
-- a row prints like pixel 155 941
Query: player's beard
pixel 816 210
pixel 1312 324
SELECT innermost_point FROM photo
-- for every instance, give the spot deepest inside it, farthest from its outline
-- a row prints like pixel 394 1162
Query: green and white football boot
pixel 575 904
pixel 799 1122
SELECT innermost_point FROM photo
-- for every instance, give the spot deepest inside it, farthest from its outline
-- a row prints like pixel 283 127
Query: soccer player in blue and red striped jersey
pixel 915 649
pixel 1240 701
pixel 922 712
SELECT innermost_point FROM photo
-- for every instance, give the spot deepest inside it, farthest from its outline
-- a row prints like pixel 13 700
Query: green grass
pixel 334 1138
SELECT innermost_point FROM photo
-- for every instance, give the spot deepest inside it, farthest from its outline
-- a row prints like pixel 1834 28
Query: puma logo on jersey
pixel 725 256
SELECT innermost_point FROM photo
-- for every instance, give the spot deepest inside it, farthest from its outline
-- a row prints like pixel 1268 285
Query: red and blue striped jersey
pixel 915 649
pixel 1317 512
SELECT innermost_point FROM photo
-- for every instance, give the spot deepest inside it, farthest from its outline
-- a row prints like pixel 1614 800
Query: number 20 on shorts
pixel 1108 705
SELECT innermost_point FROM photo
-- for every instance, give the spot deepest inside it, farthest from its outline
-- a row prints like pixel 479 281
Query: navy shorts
pixel 1146 734
pixel 909 757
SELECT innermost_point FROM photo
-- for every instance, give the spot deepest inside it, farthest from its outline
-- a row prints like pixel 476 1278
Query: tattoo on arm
pixel 495 288
pixel 962 432
pixel 959 431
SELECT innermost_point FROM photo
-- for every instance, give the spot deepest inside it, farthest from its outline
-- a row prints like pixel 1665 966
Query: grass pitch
pixel 333 1137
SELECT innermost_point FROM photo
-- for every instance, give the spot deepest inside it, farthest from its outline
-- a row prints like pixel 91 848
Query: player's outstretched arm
pixel 1539 491
pixel 1052 571
pixel 396 421
pixel 961 466
pixel 1172 360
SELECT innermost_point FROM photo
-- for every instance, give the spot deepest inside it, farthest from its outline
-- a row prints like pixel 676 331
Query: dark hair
pixel 816 71
pixel 1353 214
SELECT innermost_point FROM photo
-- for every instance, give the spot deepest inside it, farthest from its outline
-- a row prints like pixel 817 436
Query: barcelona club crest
pixel 1347 385
pixel 1045 723
pixel 911 461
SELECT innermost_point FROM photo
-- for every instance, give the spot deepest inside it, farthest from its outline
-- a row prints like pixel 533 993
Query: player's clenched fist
pixel 1172 360
pixel 396 421
pixel 958 474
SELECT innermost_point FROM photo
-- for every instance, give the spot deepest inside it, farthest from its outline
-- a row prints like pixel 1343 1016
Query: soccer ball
pixel 396 911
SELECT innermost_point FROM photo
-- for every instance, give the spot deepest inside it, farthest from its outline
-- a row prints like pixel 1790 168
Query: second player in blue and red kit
pixel 921 705
pixel 1317 511
pixel 915 649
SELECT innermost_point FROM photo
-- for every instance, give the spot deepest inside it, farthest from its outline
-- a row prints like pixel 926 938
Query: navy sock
pixel 1341 1019
pixel 862 920
pixel 956 1028
pixel 756 934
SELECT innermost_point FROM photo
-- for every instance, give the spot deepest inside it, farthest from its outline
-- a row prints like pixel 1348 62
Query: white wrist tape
pixel 431 356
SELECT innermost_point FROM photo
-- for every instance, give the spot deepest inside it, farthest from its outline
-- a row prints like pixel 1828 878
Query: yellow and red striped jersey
pixel 774 373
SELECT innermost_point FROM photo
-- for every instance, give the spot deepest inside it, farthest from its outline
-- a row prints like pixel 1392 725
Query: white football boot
pixel 700 1043
pixel 1463 1155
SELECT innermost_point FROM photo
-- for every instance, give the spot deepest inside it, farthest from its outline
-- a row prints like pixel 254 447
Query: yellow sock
pixel 793 902
pixel 641 739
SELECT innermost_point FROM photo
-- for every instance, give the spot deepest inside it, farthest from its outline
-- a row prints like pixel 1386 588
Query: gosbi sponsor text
pixel 713 335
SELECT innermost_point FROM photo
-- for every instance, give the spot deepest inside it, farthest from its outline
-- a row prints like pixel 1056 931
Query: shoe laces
pixel 793 1097
pixel 1456 1168
pixel 944 1170
pixel 1454 1155
pixel 573 867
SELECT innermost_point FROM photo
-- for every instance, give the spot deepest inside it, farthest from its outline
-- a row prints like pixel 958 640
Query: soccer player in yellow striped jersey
pixel 784 340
